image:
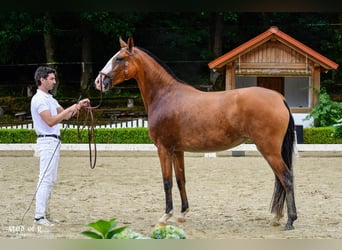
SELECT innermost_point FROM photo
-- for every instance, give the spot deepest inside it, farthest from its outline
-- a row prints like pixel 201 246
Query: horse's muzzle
pixel 102 82
pixel 106 82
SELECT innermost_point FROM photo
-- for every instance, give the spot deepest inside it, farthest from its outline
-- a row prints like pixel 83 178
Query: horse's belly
pixel 196 132
pixel 208 144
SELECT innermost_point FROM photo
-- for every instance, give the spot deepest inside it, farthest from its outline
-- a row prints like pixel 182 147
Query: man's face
pixel 49 82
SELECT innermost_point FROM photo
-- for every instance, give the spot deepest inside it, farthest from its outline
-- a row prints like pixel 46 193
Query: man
pixel 47 113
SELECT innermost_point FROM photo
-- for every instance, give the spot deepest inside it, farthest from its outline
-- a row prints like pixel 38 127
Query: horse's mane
pixel 166 67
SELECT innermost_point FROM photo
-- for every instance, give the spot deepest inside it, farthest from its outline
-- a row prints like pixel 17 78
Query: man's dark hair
pixel 42 72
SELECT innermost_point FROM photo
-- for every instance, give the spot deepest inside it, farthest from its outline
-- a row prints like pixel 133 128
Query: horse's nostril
pixel 106 81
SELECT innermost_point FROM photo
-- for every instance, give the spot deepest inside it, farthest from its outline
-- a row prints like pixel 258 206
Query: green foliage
pixel 104 229
pixel 115 24
pixel 185 40
pixel 129 235
pixel 338 132
pixel 17 136
pixel 322 135
pixel 74 136
pixel 123 135
pixel 168 232
pixel 327 112
pixel 102 135
pixel 164 232
pixel 15 28
pixel 333 47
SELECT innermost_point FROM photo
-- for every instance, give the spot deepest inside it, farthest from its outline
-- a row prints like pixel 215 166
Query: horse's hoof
pixel 275 222
pixel 288 227
pixel 160 224
pixel 181 219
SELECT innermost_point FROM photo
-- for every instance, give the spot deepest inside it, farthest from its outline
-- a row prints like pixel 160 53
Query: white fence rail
pixel 136 123
pixel 17 126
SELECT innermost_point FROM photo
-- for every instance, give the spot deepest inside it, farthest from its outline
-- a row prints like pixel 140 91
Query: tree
pixel 218 23
pixel 81 42
pixel 87 69
pixel 15 28
pixel 49 45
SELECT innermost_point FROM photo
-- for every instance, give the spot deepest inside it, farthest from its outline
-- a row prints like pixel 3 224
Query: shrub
pixel 158 233
pixel 102 135
pixel 168 232
pixel 104 229
pixel 128 234
pixel 327 112
pixel 17 136
pixel 338 132
pixel 321 135
pixel 123 135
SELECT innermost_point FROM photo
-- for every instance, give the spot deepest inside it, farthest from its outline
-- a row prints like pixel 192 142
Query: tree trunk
pixel 50 48
pixel 217 33
pixel 87 70
pixel 216 30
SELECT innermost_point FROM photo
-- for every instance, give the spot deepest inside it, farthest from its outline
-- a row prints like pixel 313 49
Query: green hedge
pixel 17 136
pixel 102 135
pixel 321 135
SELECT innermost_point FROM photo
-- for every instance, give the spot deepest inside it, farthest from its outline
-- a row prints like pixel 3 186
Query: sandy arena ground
pixel 229 196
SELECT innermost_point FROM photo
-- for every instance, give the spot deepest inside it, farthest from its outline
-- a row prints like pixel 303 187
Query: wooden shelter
pixel 277 61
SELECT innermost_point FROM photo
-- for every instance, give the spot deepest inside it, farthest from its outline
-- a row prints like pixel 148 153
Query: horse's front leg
pixel 178 164
pixel 166 168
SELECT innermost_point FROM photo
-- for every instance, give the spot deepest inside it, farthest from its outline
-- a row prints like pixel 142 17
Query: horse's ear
pixel 130 44
pixel 122 43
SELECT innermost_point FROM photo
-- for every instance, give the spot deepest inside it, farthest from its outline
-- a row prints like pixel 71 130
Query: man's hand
pixel 84 103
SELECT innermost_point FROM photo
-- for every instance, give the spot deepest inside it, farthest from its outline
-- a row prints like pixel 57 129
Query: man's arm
pixel 63 114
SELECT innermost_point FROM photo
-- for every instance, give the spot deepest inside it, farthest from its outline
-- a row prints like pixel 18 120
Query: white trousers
pixel 48 150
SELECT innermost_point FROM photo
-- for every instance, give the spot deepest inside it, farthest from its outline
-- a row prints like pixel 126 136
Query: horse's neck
pixel 153 80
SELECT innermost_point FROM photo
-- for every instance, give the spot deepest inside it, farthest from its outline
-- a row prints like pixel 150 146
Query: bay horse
pixel 182 118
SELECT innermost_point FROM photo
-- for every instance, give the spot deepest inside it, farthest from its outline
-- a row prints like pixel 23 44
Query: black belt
pixel 55 136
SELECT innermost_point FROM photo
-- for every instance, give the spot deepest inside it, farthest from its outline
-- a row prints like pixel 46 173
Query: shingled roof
pixel 272 33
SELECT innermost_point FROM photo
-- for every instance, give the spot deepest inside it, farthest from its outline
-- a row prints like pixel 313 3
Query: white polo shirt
pixel 42 101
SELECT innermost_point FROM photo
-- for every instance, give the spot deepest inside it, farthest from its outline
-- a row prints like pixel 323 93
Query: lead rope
pixel 89 117
pixel 90 124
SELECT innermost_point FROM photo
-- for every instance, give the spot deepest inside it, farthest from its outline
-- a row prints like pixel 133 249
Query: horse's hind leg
pixel 283 189
pixel 178 164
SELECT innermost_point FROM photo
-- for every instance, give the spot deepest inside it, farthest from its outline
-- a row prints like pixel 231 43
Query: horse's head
pixel 119 68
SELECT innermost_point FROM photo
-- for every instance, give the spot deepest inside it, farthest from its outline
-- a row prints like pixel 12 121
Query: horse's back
pixel 259 93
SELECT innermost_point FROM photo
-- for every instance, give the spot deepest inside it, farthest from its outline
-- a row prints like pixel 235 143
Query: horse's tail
pixel 279 194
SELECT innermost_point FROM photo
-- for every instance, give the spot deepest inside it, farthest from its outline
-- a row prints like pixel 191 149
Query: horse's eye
pixel 119 59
